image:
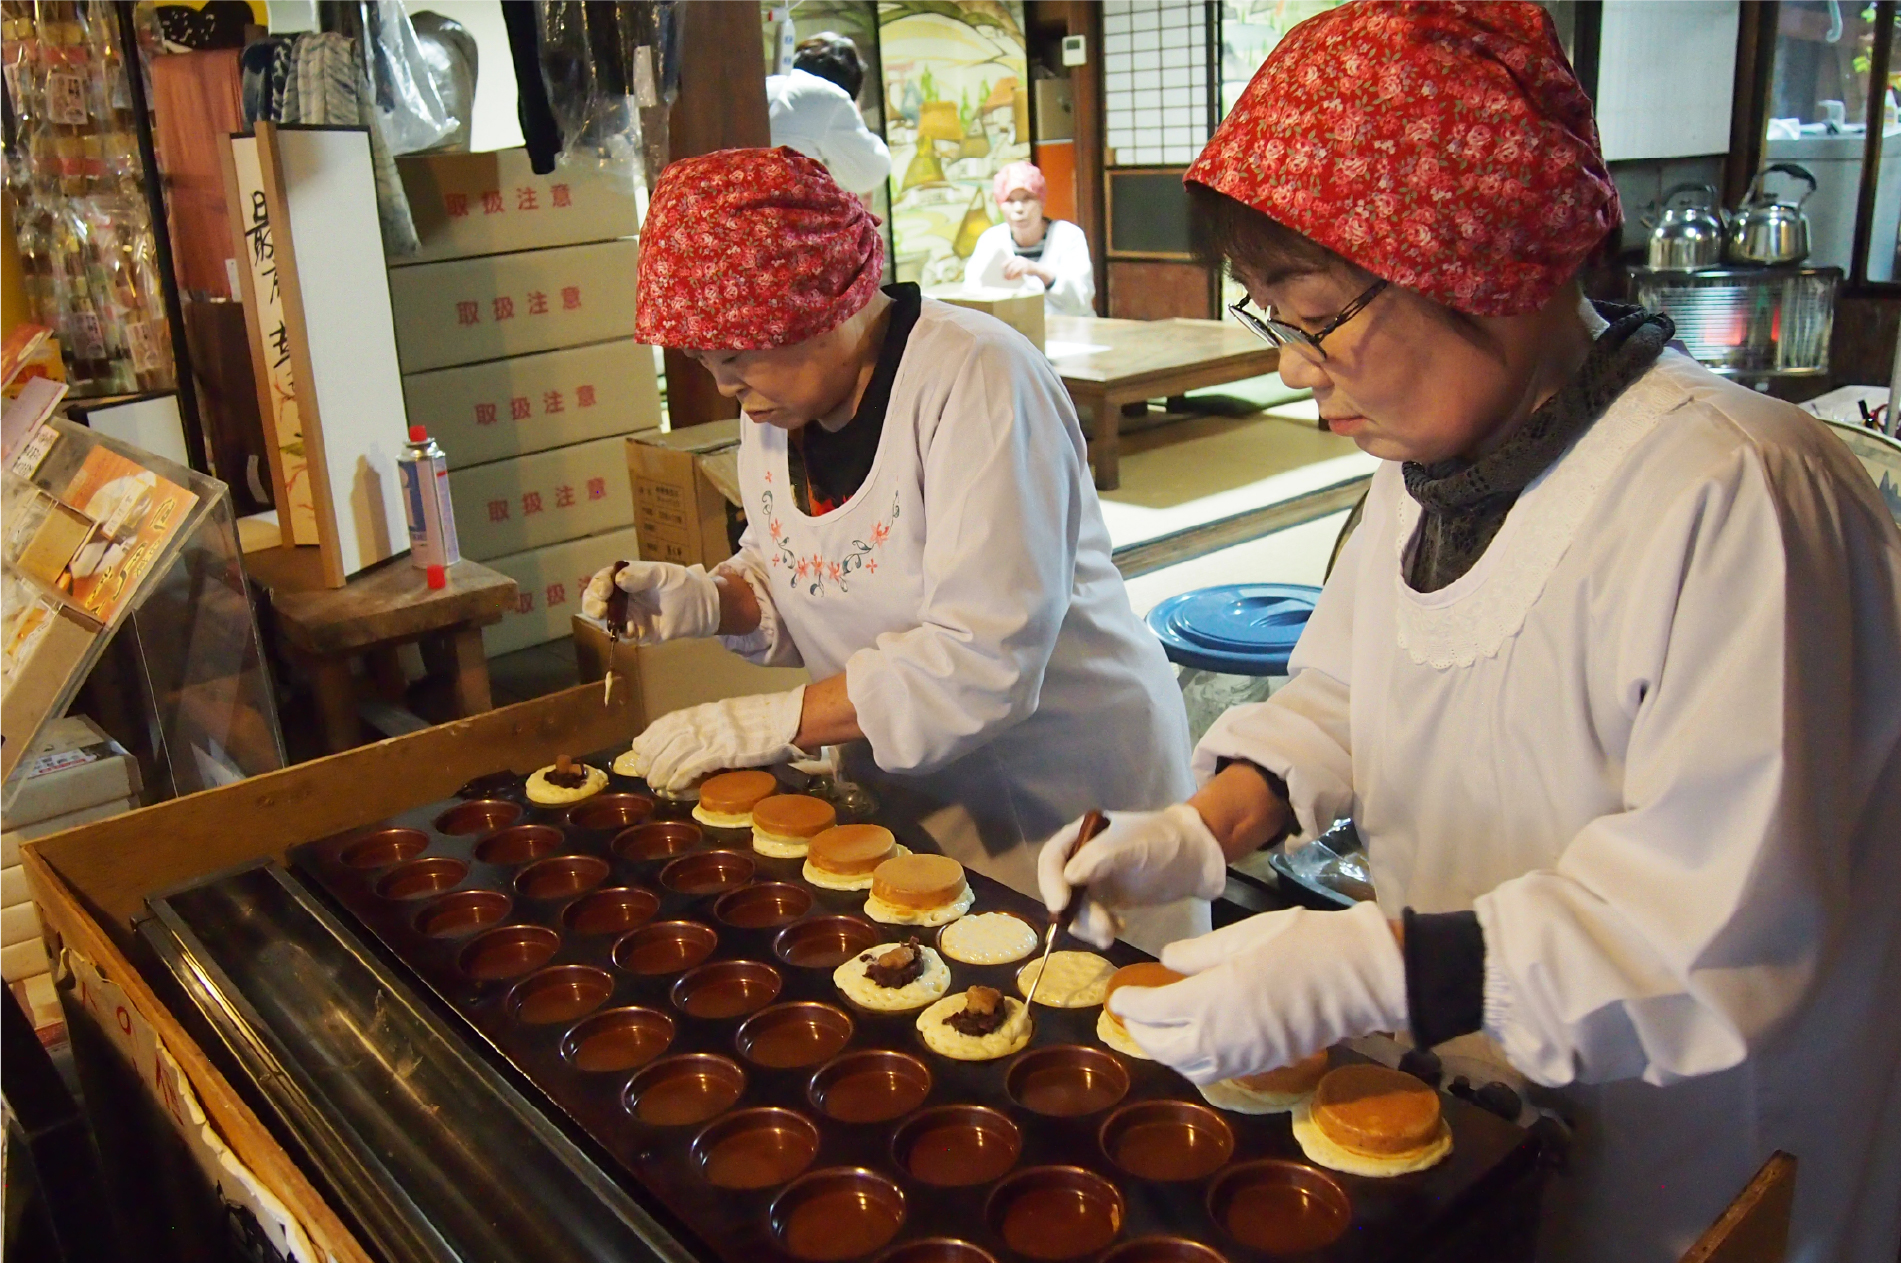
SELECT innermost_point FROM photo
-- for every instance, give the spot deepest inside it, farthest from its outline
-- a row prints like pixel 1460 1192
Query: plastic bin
pixel 1230 643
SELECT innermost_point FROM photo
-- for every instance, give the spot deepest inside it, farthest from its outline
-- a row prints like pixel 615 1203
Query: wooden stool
pixel 379 610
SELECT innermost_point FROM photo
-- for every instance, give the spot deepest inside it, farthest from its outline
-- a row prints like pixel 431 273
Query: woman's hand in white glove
pixel 664 601
pixel 678 749
pixel 1143 857
pixel 1269 990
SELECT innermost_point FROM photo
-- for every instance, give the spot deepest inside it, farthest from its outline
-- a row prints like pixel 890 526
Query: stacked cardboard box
pixel 514 327
pixel 73 775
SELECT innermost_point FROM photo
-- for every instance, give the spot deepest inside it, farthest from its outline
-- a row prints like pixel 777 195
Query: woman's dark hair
pixel 1224 230
pixel 833 58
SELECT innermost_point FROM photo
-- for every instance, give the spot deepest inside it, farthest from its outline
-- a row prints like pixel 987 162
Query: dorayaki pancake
pixel 854 980
pixel 1271 1092
pixel 918 890
pixel 1077 980
pixel 546 793
pixel 950 1042
pixel 989 938
pixel 1369 1120
pixel 1109 1027
pixel 727 800
pixel 784 824
pixel 843 858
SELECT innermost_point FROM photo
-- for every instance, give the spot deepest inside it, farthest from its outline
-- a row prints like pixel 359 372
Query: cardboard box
pixel 530 403
pixel 488 203
pixel 510 506
pixel 74 765
pixel 679 508
pixel 46 659
pixel 549 582
pixel 1022 312
pixel 681 673
pixel 10 840
pixel 1055 110
pixel 466 310
pixel 13 886
pixel 18 923
pixel 23 960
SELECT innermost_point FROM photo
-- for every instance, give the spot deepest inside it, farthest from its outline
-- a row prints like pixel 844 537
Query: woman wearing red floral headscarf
pixel 922 535
pixel 1609 676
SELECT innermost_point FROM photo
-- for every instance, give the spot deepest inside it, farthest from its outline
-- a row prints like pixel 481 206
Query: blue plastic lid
pixel 1237 628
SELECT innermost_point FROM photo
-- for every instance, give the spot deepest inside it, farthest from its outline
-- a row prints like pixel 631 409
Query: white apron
pixel 1654 738
pixel 1003 682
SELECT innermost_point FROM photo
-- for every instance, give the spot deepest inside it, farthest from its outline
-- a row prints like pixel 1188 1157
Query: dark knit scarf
pixel 1465 502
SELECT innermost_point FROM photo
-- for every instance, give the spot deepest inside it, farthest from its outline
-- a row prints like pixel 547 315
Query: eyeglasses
pixel 1280 333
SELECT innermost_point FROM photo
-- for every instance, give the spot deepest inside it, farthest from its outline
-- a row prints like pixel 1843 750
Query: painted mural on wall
pixel 957 108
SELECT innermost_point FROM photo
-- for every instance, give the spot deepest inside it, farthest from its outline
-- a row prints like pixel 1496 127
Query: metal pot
pixel 1766 231
pixel 1689 237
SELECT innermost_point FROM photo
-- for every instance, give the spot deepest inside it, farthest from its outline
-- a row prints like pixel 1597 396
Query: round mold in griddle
pixel 708 873
pixel 1066 1081
pixel 481 816
pixel 562 877
pixel 619 1039
pixel 837 1214
pixel 659 840
pixel 787 1036
pixel 420 878
pixel 610 811
pixel 956 1145
pixel 665 947
pixel 560 995
pixel 508 952
pixel 825 942
pixel 463 912
pixel 1055 1212
pixel 755 1148
pixel 681 1091
pixel 938 1250
pixel 874 1085
pixel 763 907
pixel 1162 1250
pixel 383 847
pixel 1280 1207
pixel 518 844
pixel 612 911
pixel 730 988
pixel 1167 1141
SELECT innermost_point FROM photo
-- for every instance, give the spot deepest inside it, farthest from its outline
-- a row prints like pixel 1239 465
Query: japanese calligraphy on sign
pixel 274 343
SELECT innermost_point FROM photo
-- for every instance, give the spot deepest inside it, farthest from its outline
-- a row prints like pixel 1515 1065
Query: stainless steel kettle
pixel 1688 237
pixel 1769 232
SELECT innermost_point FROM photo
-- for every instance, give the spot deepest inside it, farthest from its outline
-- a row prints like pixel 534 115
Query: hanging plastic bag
pixel 604 67
pixel 407 103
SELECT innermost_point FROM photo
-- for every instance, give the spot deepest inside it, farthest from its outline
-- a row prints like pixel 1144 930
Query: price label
pixel 144 341
pixel 66 99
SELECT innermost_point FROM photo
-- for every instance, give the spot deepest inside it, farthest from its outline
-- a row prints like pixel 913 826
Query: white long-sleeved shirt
pixel 1653 737
pixel 967 594
pixel 1065 253
pixel 819 119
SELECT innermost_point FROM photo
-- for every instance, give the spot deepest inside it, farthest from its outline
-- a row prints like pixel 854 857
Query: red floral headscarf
pixel 1446 147
pixel 1018 175
pixel 751 248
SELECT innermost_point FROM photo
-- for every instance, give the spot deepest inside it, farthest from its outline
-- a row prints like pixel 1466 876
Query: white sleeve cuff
pixel 769 644
pixel 1506 1019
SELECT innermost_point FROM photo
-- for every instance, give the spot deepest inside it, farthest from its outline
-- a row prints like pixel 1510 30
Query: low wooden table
pixel 1133 360
pixel 390 605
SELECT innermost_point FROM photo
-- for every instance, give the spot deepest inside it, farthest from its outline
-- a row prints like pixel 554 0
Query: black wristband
pixel 1275 786
pixel 1445 975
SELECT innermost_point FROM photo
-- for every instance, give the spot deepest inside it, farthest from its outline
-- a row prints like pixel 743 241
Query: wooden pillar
pixel 722 105
pixel 1085 86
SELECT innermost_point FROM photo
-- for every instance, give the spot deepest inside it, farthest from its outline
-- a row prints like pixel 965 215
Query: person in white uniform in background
pixel 1030 249
pixel 922 535
pixel 814 109
pixel 1609 677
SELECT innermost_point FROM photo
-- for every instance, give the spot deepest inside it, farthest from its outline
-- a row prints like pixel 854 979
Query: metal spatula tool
pixel 1092 824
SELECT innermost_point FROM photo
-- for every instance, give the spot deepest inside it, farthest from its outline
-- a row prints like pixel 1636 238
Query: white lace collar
pixel 1476 614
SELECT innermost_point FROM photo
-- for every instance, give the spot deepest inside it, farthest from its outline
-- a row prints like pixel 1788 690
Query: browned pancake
pixel 918 883
pixel 1144 973
pixel 851 850
pixel 1372 1110
pixel 791 815
pixel 735 793
pixel 1294 1080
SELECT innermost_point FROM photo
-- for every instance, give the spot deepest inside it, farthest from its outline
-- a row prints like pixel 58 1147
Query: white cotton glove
pixel 664 601
pixel 1269 990
pixel 1143 857
pixel 678 749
